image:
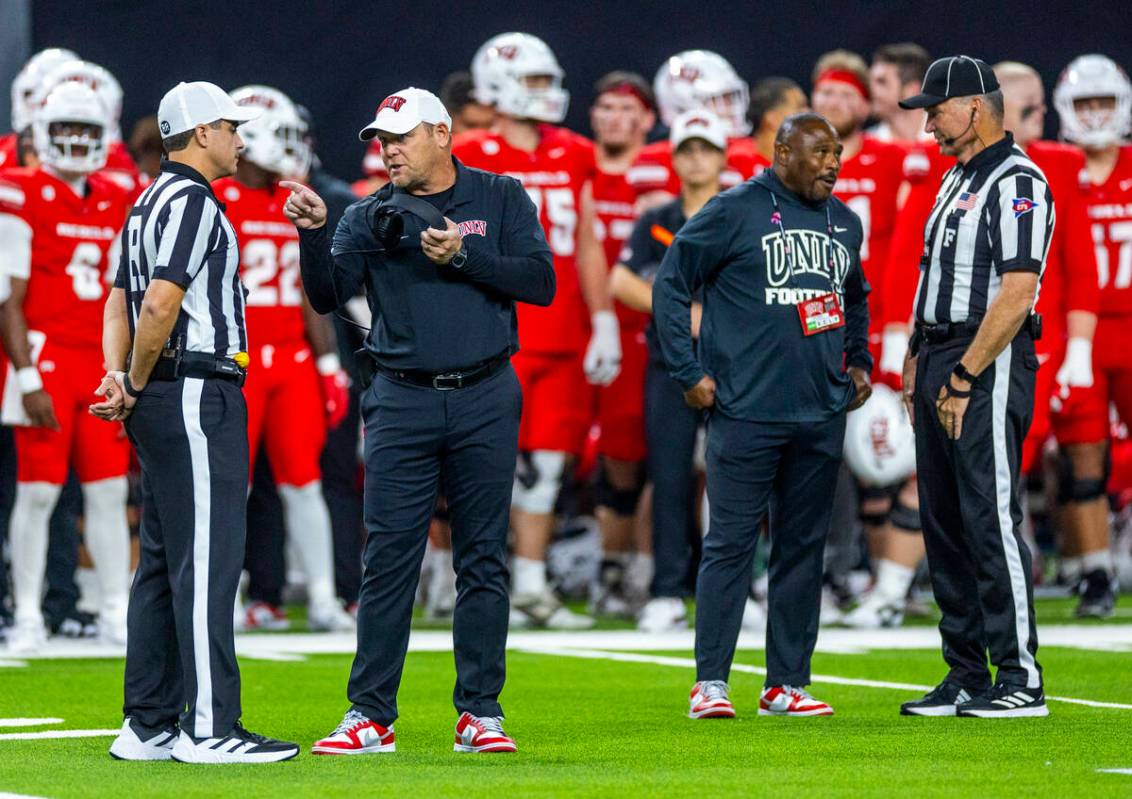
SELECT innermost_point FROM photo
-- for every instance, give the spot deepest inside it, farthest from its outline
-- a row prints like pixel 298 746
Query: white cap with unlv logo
pixel 187 105
pixel 698 124
pixel 404 110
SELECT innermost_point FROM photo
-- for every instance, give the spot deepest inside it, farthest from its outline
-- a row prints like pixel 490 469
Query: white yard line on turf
pixel 6 795
pixel 28 722
pixel 1127 771
pixel 31 736
pixel 689 663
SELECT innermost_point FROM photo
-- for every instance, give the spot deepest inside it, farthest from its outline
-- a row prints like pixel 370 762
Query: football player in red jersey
pixel 621 117
pixel 1068 303
pixel 895 74
pixel 577 337
pixel 58 221
pixel 296 386
pixel 772 100
pixel 1093 99
pixel 690 80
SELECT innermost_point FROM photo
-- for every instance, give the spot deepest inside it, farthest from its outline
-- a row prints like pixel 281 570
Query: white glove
pixel 603 355
pixel 893 348
pixel 1077 369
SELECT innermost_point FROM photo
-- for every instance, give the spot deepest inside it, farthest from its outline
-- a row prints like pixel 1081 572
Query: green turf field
pixel 596 726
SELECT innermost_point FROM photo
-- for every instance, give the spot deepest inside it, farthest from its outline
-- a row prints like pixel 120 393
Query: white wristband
pixel 28 380
pixel 328 364
pixel 605 322
pixel 1078 347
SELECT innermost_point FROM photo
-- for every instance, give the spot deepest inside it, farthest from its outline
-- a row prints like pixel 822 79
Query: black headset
pixel 387 219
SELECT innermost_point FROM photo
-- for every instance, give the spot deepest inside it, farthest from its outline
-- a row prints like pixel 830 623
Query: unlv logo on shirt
pixel 392 101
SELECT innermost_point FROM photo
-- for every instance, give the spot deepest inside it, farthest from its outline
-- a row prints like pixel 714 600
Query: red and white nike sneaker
pixel 786 700
pixel 708 700
pixel 481 734
pixel 356 735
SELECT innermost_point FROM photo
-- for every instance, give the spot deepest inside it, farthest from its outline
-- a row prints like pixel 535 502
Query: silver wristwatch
pixel 459 259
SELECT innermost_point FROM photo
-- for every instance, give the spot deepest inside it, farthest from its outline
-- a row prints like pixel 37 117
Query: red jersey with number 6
pixel 1110 214
pixel 71 237
pixel 553 175
pixel 269 261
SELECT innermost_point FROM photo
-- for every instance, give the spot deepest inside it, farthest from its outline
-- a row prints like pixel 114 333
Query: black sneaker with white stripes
pixel 1006 702
pixel 238 746
pixel 943 700
pixel 1098 595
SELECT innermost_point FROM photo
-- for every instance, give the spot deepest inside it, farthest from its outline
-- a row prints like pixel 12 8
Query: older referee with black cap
pixel 969 388
pixel 444 252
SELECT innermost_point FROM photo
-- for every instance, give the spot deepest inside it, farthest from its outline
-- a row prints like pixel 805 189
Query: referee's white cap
pixel 187 105
pixel 404 110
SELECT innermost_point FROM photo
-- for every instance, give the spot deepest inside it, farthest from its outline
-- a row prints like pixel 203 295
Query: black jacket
pixel 429 317
pixel 751 340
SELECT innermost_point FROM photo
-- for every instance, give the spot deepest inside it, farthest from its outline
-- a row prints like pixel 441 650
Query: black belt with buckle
pixel 950 331
pixel 203 365
pixel 448 381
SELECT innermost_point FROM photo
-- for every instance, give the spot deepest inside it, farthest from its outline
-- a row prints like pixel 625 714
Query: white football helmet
pixel 880 447
pixel 27 82
pixel 277 139
pixel 78 152
pixel 499 70
pixel 98 78
pixel 1093 76
pixel 697 79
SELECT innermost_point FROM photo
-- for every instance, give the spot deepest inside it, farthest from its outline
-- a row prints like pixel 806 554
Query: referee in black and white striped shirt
pixel 174 330
pixel 969 386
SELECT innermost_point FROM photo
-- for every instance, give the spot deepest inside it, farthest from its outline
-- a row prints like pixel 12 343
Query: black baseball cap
pixel 954 76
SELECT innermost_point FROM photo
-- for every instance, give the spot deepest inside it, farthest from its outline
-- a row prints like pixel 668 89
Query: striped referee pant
pixel 972 514
pixel 192 441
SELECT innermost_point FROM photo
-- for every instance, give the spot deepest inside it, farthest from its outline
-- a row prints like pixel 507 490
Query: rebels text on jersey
pixel 269 261
pixel 1110 215
pixel 553 175
pixel 70 238
pixel 869 183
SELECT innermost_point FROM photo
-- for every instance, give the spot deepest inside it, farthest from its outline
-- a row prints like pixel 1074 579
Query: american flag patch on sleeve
pixel 966 201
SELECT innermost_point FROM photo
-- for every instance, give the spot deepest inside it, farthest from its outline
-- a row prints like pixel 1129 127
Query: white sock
pixel 107 535
pixel 528 576
pixel 27 541
pixel 1100 559
pixel 893 580
pixel 1071 569
pixel 308 530
pixel 638 575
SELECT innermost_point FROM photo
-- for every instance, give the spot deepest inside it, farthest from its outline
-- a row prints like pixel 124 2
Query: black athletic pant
pixel 671 427
pixel 342 490
pixel 416 439
pixel 972 514
pixel 264 559
pixel 191 436
pixel 789 468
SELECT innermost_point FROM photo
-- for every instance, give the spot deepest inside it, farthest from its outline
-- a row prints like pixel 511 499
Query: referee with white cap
pixel 969 387
pixel 175 344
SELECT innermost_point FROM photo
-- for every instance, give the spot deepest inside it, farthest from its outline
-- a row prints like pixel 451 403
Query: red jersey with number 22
pixel 269 261
pixel 553 176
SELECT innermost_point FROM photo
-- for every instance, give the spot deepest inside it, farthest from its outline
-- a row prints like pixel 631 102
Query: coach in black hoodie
pixel 783 355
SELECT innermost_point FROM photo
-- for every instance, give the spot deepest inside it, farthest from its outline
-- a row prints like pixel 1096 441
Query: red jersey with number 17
pixel 553 175
pixel 71 237
pixel 269 261
pixel 1110 214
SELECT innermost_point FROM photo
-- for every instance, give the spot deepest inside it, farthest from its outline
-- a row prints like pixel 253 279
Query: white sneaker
pixel 329 617
pixel 238 746
pixel 130 745
pixel 875 612
pixel 830 610
pixel 544 610
pixel 27 637
pixel 663 614
pixel 112 631
pixel 754 617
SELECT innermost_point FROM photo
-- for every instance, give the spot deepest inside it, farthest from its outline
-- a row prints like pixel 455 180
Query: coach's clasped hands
pixel 117 404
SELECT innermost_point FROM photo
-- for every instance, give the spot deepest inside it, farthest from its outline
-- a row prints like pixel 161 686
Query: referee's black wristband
pixel 961 372
pixel 129 387
pixel 952 391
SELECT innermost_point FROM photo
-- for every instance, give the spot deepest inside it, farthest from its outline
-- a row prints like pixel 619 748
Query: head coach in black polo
pixel 444 253
pixel 783 354
pixel 174 338
pixel 969 386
